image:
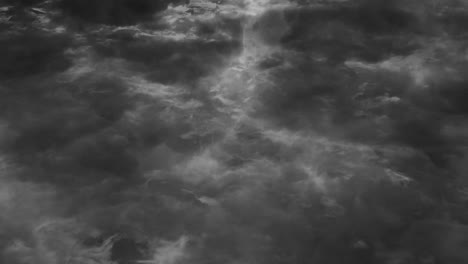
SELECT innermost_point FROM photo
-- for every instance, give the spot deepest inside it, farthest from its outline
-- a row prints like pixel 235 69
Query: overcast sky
pixel 253 132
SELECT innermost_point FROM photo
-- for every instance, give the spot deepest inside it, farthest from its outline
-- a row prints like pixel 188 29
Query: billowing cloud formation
pixel 176 132
pixel 115 12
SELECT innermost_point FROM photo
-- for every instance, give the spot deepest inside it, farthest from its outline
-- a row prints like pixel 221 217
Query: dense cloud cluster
pixel 176 132
pixel 115 12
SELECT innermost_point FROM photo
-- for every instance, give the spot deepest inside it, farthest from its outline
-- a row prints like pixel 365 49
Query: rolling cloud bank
pixel 233 131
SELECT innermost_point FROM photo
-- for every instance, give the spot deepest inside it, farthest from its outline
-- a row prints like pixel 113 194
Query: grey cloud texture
pixel 232 132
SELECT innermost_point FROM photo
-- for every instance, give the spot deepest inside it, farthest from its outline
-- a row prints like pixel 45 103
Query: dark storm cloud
pixel 172 60
pixel 50 120
pixel 365 105
pixel 22 2
pixel 94 128
pixel 31 52
pixel 394 101
pixel 318 95
pixel 360 32
pixel 385 108
pixel 113 12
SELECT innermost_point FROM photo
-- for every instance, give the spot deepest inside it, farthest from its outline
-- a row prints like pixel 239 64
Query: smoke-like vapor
pixel 174 132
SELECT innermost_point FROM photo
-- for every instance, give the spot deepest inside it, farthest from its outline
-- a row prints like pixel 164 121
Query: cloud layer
pixel 233 132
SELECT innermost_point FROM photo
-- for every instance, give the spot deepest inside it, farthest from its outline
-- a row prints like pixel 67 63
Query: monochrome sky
pixel 233 131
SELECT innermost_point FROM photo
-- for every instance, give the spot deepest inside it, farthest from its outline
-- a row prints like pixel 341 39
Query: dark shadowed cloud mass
pixel 233 131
